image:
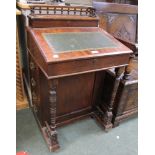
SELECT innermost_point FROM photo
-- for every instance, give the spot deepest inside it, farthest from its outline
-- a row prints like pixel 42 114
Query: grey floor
pixel 84 137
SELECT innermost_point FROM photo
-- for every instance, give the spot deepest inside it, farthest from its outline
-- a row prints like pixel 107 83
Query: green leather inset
pixel 77 41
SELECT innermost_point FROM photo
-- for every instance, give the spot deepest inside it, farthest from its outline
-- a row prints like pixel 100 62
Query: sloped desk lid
pixel 77 41
pixel 64 44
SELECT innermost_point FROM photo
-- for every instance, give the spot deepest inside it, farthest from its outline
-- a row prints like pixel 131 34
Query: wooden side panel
pixel 74 94
pixel 35 87
pixel 133 2
pixel 126 104
pixel 123 26
pixel 74 97
pixel 120 20
pixel 131 97
pixel 35 51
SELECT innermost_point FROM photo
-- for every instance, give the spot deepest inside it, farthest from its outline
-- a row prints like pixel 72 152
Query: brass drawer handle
pixel 32 66
pixel 34 96
pixel 33 83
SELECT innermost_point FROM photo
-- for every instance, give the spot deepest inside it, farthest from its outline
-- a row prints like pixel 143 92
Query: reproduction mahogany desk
pixel 67 53
pixel 63 71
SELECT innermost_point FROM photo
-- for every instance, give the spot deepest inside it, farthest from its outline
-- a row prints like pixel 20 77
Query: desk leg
pixel 108 115
pixel 118 71
pixel 104 112
pixel 51 129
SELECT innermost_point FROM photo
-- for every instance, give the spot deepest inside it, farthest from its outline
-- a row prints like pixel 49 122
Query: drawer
pixel 86 65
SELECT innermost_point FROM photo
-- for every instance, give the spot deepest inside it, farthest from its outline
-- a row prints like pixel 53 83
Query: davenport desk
pixel 64 63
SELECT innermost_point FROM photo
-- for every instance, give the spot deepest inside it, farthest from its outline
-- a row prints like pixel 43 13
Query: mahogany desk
pixel 64 65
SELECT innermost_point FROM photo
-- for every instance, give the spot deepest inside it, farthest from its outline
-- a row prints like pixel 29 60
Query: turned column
pixel 118 72
pixel 108 115
pixel 51 129
pixel 128 68
pixel 104 113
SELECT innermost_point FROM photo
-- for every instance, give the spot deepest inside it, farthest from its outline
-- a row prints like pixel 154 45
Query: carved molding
pixel 51 129
pixel 132 18
pixel 123 34
pixel 111 18
pixel 52 100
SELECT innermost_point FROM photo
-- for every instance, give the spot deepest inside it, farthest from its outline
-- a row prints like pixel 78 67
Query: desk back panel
pixel 45 21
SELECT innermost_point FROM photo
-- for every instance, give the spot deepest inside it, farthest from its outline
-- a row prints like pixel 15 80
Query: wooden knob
pixel 32 66
pixel 33 83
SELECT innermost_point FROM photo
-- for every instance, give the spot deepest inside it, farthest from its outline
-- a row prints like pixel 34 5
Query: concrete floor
pixel 84 137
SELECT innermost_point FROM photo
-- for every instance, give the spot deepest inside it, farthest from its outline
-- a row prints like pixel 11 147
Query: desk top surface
pixel 77 41
pixel 61 44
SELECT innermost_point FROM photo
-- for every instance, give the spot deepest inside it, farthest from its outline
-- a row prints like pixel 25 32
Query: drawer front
pixel 34 82
pixel 87 65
